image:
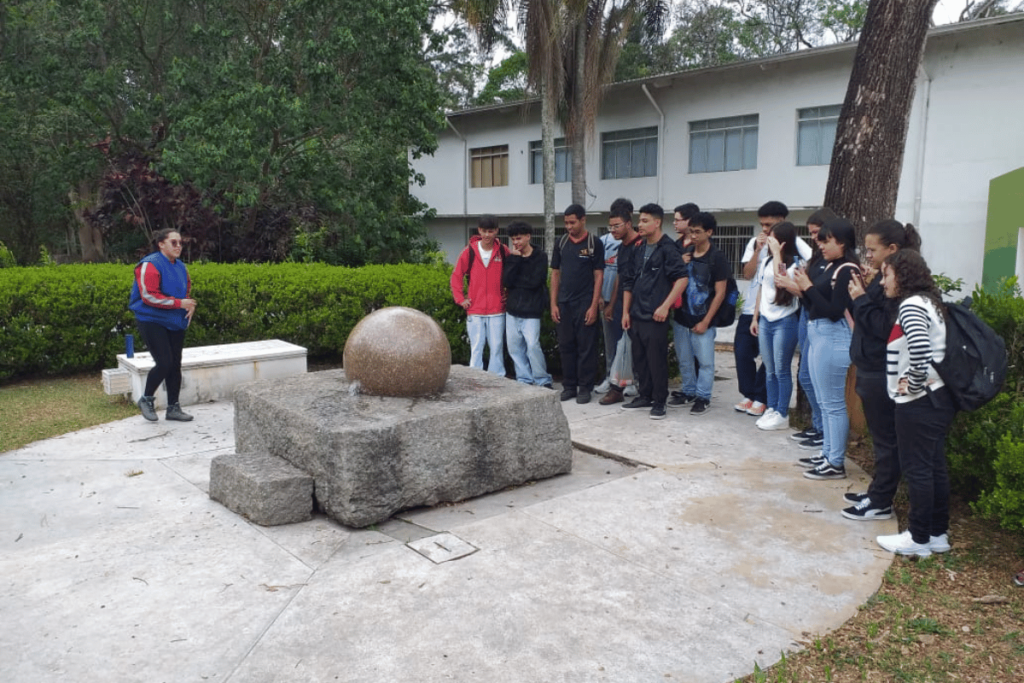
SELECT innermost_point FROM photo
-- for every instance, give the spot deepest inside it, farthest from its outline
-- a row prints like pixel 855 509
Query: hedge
pixel 73 318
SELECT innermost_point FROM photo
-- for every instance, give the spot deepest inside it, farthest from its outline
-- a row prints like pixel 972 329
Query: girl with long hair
pixel 827 299
pixel 924 408
pixel 776 324
pixel 873 313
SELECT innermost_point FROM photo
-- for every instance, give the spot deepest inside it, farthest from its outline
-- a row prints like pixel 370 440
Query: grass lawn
pixel 951 617
pixel 38 409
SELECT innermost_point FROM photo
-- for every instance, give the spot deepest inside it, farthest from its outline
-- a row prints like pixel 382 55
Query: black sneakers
pixel 804 435
pixel 813 443
pixel 658 411
pixel 827 470
pixel 638 402
pixel 146 406
pixel 865 510
pixel 680 399
pixel 568 393
pixel 854 497
pixel 583 397
pixel 174 412
pixel 813 461
pixel 700 406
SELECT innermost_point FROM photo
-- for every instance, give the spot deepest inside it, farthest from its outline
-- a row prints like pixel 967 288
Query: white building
pixel 732 137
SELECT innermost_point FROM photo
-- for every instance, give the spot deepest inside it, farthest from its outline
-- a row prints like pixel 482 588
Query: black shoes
pixel 568 394
pixel 146 406
pixel 700 406
pixel 174 412
pixel 678 399
pixel 638 402
pixel 583 397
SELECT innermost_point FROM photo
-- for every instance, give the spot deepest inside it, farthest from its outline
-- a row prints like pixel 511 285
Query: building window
pixel 629 153
pixel 489 166
pixel 563 161
pixel 816 135
pixel 728 144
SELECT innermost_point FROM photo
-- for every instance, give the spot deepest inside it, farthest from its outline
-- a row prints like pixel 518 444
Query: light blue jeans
pixel 688 344
pixel 489 329
pixel 804 373
pixel 523 338
pixel 829 359
pixel 777 341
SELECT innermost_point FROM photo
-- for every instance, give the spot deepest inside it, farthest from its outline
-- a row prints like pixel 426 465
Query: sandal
pixel 1018 578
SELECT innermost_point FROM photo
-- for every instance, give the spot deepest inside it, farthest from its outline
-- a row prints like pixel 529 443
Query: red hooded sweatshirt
pixel 485 293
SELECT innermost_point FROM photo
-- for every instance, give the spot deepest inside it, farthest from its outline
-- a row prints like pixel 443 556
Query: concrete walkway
pixel 694 551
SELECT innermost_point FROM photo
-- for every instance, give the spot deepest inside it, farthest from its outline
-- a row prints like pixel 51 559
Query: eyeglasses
pixel 174 243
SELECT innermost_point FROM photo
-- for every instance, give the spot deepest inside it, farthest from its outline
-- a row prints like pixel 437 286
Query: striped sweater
pixel 917 340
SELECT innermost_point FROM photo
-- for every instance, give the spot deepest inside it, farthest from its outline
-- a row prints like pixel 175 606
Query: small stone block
pixel 442 548
pixel 265 489
pixel 117 381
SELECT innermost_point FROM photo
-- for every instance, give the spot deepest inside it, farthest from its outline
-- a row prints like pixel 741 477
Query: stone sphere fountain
pixel 399 427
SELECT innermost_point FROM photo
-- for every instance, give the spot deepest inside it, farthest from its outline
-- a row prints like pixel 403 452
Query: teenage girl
pixel 873 313
pixel 776 325
pixel 827 298
pixel 924 406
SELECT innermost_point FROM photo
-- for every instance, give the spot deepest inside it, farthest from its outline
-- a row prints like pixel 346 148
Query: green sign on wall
pixel 1002 231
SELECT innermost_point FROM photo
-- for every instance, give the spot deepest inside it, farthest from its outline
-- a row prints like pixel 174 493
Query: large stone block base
pixel 372 456
pixel 262 488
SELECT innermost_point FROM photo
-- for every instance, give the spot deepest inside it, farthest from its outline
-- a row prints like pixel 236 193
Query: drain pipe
pixel 465 172
pixel 923 141
pixel 661 144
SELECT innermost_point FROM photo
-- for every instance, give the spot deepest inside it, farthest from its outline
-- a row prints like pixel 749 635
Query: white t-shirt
pixel 766 278
pixel 485 255
pixel 802 248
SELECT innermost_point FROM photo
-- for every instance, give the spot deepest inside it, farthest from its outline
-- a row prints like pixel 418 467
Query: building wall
pixel 964 130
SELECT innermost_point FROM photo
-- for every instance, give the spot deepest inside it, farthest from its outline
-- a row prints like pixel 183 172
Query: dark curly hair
pixel 914 277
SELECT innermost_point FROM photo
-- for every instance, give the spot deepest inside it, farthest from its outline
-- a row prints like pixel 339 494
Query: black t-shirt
pixel 576 263
pixel 703 272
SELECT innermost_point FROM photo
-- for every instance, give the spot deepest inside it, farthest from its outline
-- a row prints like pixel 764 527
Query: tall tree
pixel 864 178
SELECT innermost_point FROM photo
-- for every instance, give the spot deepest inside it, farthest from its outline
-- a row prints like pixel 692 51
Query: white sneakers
pixel 903 544
pixel 772 420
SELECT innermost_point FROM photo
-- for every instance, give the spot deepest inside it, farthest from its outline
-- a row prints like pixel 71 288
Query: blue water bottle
pixel 129 346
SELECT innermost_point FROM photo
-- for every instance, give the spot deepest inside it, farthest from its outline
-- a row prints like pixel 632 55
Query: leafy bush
pixel 73 318
pixel 986 447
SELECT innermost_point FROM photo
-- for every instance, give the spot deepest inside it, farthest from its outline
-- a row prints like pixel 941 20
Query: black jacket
pixel 874 315
pixel 652 281
pixel 525 279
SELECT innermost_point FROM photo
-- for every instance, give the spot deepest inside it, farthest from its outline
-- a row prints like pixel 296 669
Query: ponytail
pixel 891 232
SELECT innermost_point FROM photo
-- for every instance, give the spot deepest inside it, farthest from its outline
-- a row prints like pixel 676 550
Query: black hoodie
pixel 525 279
pixel 651 281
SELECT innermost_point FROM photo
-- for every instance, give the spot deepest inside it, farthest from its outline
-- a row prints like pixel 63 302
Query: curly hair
pixel 914 277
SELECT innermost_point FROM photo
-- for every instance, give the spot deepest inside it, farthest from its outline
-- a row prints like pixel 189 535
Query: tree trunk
pixel 867 158
pixel 577 129
pixel 89 235
pixel 547 136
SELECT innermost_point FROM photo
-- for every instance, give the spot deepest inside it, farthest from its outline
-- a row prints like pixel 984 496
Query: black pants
pixel 745 350
pixel 921 427
pixel 165 346
pixel 650 358
pixel 880 413
pixel 577 344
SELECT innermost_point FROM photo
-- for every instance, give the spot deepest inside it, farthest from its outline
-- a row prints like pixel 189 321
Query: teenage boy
pixel 708 270
pixel 481 263
pixel 525 279
pixel 577 272
pixel 609 332
pixel 620 223
pixel 655 278
pixel 681 224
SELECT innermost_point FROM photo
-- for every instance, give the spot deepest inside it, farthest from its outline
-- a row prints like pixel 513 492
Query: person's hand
pixel 591 315
pixel 800 278
pixel 753 327
pixel 903 386
pixel 625 320
pixel 466 304
pixel 513 250
pixel 700 328
pixel 761 239
pixel 661 313
pixel 855 288
pixel 609 311
pixel 190 308
pixel 555 314
pixel 773 244
pixel 687 256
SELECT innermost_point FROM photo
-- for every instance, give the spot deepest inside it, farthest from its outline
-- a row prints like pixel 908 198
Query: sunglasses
pixel 174 243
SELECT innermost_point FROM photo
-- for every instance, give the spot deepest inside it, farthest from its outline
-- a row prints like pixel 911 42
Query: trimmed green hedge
pixel 61 319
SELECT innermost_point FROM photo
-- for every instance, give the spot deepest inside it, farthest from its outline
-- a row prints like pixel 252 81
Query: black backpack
pixel 726 313
pixel 974 367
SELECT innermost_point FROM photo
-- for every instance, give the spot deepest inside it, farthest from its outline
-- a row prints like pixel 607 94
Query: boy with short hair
pixel 525 279
pixel 481 264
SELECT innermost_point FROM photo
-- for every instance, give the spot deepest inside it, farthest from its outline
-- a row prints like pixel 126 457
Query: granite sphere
pixel 398 351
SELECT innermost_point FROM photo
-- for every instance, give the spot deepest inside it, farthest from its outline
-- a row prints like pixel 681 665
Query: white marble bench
pixel 211 373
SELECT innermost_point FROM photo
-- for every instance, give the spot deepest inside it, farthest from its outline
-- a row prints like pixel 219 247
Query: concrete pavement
pixel 693 551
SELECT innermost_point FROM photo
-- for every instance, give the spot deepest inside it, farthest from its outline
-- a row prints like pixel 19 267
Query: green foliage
pixel 74 318
pixel 986 448
pixel 948 285
pixel 7 259
pixel 506 82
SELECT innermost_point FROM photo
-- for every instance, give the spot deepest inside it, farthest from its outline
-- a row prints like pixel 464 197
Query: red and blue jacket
pixel 159 288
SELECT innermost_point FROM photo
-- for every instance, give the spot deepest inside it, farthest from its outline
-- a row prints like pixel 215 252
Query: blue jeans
pixel 777 340
pixel 612 330
pixel 688 344
pixel 829 360
pixel 489 329
pixel 804 373
pixel 523 338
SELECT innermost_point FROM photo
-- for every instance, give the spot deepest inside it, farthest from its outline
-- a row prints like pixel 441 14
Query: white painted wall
pixel 964 130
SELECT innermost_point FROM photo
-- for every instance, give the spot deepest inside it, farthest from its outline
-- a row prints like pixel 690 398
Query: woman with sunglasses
pixel 163 310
